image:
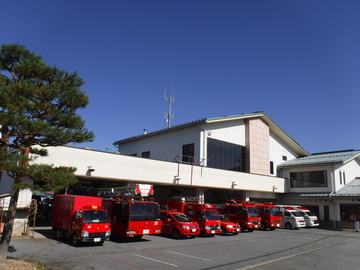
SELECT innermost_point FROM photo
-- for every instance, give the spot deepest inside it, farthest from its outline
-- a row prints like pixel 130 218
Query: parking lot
pixel 279 249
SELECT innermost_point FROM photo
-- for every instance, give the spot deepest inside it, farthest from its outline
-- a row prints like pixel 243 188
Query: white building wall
pixel 232 132
pixel 278 149
pixel 348 171
pixel 329 169
pixel 113 166
pixel 165 146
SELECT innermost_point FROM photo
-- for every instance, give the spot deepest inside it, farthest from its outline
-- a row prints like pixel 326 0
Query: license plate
pixel 256 226
pixel 146 231
pixel 97 239
pixel 238 230
pixel 212 231
pixel 193 230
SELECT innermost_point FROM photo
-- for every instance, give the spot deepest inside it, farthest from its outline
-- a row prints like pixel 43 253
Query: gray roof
pixel 352 189
pixel 337 157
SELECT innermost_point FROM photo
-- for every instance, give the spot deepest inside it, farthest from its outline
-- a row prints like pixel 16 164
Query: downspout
pixel 202 159
pixel 332 178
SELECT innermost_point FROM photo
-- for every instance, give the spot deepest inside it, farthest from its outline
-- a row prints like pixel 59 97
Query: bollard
pixel 357 226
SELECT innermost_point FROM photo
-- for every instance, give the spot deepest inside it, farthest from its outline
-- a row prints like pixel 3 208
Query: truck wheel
pixel 250 230
pixel 176 234
pixel 74 240
pixel 288 226
pixel 58 234
pixel 138 236
pixel 272 228
pixel 100 243
pixel 235 233
pixel 223 231
pixel 263 226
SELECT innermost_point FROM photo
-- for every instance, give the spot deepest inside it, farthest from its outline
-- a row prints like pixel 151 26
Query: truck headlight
pixel 229 226
pixel 108 233
pixel 84 234
pixel 207 227
pixel 185 227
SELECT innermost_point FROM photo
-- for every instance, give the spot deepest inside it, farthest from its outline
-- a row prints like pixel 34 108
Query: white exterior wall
pixel 351 171
pixel 5 188
pixel 278 149
pixel 329 169
pixel 165 146
pixel 232 132
pixel 113 166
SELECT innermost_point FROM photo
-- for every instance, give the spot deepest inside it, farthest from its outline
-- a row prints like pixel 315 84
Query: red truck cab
pixel 178 225
pixel 229 227
pixel 244 213
pixel 80 218
pixel 270 216
pixel 204 214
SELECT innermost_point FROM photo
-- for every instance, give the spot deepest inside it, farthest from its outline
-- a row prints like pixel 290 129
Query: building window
pixel 271 167
pixel 145 154
pixel 340 177
pixel 284 158
pixel 308 179
pixel 344 178
pixel 188 153
pixel 226 156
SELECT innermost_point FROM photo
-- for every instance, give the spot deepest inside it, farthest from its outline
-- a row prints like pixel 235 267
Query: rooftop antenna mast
pixel 169 115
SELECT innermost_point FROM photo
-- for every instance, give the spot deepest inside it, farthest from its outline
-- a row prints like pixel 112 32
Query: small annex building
pixel 327 183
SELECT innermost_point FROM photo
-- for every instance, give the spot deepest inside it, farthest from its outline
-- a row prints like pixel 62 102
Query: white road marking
pixel 188 255
pixel 290 256
pixel 155 260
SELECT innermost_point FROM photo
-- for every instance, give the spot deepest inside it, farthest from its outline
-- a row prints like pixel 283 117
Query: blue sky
pixel 298 61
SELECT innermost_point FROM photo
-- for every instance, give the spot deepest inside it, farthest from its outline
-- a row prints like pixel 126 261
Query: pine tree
pixel 38 106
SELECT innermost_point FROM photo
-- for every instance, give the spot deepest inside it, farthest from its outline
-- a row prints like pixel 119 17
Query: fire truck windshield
pixel 253 211
pixel 96 216
pixel 144 211
pixel 211 215
pixel 275 211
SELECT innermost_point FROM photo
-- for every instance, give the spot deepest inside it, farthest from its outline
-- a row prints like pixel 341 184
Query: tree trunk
pixel 9 223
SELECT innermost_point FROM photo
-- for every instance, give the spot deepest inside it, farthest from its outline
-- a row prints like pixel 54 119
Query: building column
pixel 199 193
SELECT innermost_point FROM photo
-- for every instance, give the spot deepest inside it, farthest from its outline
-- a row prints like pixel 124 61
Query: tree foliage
pixel 38 105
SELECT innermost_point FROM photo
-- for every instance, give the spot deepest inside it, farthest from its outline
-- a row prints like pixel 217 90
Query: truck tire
pixel 263 226
pixel 288 226
pixel 100 243
pixel 74 240
pixel 176 234
pixel 223 231
pixel 58 234
pixel 250 230
pixel 138 236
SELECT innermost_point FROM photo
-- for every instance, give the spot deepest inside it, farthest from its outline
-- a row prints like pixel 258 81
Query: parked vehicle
pixel 291 218
pixel 204 214
pixel 311 219
pixel 178 225
pixel 80 218
pixel 228 227
pixel 133 213
pixel 245 213
pixel 270 216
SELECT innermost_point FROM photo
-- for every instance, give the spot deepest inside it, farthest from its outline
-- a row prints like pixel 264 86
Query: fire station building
pixel 245 157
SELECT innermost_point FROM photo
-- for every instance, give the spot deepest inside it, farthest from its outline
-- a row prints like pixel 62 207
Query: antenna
pixel 169 115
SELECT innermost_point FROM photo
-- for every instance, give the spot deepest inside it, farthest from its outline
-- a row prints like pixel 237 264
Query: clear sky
pixel 298 61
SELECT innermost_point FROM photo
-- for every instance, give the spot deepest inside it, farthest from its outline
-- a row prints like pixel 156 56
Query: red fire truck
pixel 80 218
pixel 204 214
pixel 132 212
pixel 244 213
pixel 270 216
